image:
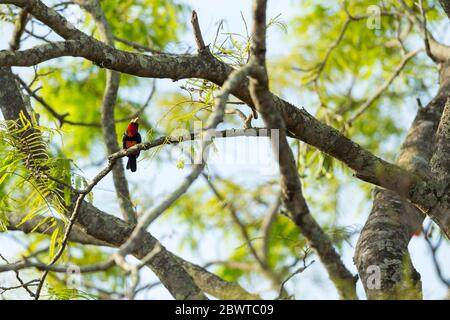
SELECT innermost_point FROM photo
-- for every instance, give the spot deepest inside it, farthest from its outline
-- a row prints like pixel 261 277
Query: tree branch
pixel 201 47
pixel 77 234
pixel 305 127
pixel 207 281
pixel 95 222
pixel 213 121
pixel 446 6
pixel 393 220
pixel 19 28
pixel 107 114
pixel 407 57
pixel 290 183
pixel 299 122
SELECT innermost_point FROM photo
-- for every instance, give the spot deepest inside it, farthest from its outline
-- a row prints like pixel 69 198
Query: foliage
pixel 76 87
pixel 331 78
pixel 24 175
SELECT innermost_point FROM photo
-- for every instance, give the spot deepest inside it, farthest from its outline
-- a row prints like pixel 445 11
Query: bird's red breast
pixel 132 129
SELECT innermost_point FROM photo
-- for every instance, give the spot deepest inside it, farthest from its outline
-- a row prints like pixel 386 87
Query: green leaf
pixel 53 241
pixel 180 164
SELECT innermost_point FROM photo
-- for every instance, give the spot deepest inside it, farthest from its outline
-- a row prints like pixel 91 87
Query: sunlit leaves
pixel 152 23
pixel 76 88
pixel 335 64
pixel 25 166
pixel 78 93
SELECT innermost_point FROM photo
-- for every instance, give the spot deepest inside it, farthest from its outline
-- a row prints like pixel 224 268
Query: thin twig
pixel 60 117
pixel 433 249
pixel 425 31
pixel 201 48
pixel 385 85
pixel 22 284
pixel 299 270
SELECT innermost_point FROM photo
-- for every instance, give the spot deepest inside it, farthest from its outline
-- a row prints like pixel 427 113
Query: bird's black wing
pixel 138 140
pixel 124 141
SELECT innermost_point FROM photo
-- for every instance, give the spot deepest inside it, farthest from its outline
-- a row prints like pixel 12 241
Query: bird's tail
pixel 131 163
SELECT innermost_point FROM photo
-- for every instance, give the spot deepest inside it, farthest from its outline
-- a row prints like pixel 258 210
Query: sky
pixel 164 178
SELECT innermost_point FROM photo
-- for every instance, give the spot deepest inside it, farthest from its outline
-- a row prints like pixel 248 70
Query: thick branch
pixel 290 183
pixel 207 281
pixel 440 162
pixel 299 122
pixel 393 220
pixel 440 167
pixel 77 234
pixel 95 222
pixel 107 112
pixel 446 6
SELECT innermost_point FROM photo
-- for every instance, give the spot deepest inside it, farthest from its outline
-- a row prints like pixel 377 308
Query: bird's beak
pixel 135 120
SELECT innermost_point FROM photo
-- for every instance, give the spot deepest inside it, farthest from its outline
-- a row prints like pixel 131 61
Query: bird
pixel 130 138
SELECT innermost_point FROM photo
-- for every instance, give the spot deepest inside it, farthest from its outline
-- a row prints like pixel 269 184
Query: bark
pixel 383 244
pixel 299 122
pixel 207 281
pixel 393 220
pixel 107 112
pixel 215 286
pixel 440 162
pixel 29 226
pixel 109 230
pixel 102 226
pixel 446 6
pixel 291 190
pixel 116 232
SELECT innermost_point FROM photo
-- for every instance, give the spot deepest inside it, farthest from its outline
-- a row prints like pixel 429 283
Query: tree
pixel 358 64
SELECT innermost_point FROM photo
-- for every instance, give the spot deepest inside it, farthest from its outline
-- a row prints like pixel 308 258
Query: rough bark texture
pixel 291 190
pixel 440 163
pixel 393 220
pixel 383 244
pixel 298 122
pixel 76 235
pixel 107 112
pixel 440 213
pixel 102 226
pixel 384 239
pixel 446 6
pixel 208 282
